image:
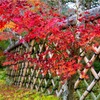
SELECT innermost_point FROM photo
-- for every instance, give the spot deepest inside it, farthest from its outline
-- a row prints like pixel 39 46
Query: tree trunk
pixel 71 83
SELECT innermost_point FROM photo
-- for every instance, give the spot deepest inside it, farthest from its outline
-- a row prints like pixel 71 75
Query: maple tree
pixel 61 44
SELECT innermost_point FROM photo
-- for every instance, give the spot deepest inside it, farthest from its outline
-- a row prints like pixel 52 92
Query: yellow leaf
pixel 8 25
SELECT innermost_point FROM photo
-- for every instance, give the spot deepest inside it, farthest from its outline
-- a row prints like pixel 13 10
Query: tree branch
pixel 94 13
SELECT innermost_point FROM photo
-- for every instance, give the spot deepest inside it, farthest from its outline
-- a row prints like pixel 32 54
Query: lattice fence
pixel 28 75
pixel 89 85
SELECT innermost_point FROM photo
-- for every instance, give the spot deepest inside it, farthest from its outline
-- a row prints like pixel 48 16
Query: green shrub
pixel 44 97
pixel 2 74
pixel 96 65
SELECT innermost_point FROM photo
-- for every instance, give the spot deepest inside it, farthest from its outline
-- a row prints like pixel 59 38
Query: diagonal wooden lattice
pixel 29 76
pixel 90 85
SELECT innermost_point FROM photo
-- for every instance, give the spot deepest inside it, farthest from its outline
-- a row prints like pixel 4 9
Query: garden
pixel 50 49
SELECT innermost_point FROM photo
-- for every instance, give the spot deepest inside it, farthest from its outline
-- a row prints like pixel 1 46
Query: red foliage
pixel 62 46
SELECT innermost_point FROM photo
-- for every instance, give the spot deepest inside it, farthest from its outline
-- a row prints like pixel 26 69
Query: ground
pixel 11 92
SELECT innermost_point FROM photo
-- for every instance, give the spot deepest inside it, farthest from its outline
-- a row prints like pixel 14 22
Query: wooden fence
pixel 28 75
pixel 90 83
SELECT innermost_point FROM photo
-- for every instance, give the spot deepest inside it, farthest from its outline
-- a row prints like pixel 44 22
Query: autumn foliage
pixel 61 44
